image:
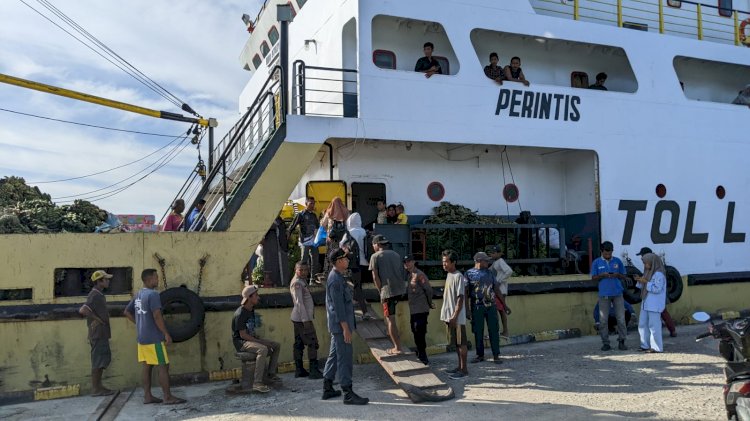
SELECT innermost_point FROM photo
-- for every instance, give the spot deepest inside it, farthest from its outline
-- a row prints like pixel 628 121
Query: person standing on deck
pixel 483 291
pixel 145 311
pixel 341 325
pixel 308 226
pixel 354 244
pixel 388 276
pixel 174 221
pixel 419 292
pixel 303 314
pixel 453 312
pixel 609 271
pixel 97 319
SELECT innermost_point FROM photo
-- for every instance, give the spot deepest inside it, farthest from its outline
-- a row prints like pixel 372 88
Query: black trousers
pixel 419 329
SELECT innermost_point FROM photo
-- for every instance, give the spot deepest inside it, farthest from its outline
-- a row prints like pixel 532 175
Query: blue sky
pixel 191 47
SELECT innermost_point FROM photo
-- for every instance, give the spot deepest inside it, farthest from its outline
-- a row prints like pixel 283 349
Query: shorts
pixel 153 354
pixel 101 355
pixel 454 341
pixel 389 307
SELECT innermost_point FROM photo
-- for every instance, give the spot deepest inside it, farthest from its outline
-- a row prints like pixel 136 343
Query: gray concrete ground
pixel 559 380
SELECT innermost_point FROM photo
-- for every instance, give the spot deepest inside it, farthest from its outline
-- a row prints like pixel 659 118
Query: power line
pixel 106 171
pixel 121 189
pixel 163 157
pixel 103 46
pixel 85 124
pixel 102 55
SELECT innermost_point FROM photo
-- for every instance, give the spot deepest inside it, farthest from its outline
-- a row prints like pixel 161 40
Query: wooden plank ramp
pixel 417 379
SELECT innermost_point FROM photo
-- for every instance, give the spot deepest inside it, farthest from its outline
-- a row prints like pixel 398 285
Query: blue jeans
pixel 479 315
pixel 341 360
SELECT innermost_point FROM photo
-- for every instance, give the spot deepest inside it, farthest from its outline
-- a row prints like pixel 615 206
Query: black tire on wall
pixel 632 294
pixel 674 284
pixel 183 330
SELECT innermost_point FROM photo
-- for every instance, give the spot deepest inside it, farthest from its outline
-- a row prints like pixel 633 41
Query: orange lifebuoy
pixel 745 39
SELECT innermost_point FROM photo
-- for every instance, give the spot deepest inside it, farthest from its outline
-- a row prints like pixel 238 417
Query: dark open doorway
pixel 365 198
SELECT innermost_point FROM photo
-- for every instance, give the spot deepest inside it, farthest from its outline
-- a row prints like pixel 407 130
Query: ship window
pixel 725 8
pixel 301 3
pixel 273 35
pixel 257 61
pixel 264 49
pixel 549 61
pixel 405 38
pixel 579 80
pixel 73 282
pixel 674 3
pixel 15 294
pixel 445 65
pixel 724 89
pixel 384 59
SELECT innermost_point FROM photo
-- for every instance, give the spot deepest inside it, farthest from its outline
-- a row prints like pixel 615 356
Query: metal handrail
pixel 262 107
pixel 728 28
pixel 301 89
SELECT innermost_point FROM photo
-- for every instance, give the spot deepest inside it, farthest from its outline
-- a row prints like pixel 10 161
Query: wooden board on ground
pixel 417 379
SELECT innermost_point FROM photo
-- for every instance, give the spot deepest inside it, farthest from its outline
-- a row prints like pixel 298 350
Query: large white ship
pixel 334 107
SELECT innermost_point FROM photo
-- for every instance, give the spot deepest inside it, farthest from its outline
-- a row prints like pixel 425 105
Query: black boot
pixel 299 370
pixel 315 373
pixel 328 390
pixel 351 398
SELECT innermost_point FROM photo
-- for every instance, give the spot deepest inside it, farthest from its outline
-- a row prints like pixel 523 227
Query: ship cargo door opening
pixel 365 198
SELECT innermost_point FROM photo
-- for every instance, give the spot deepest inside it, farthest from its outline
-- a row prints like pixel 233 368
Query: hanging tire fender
pixel 674 284
pixel 181 331
pixel 631 293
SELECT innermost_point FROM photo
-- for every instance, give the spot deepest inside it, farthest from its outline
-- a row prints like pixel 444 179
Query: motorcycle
pixel 734 347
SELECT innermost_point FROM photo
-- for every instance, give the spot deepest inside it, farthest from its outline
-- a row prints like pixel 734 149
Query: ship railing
pixel 236 153
pixel 683 18
pixel 522 244
pixel 324 91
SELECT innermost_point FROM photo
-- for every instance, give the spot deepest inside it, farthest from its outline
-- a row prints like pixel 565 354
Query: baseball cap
pixel 408 258
pixel 493 249
pixel 247 292
pixel 337 254
pixel 480 256
pixel 100 274
pixel 380 239
pixel 644 250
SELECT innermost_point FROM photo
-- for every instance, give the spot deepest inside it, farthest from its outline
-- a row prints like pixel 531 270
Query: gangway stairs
pixel 416 379
pixel 253 165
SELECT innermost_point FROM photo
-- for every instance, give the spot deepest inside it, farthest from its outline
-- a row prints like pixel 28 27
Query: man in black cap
pixel 388 275
pixel 341 325
pixel 664 314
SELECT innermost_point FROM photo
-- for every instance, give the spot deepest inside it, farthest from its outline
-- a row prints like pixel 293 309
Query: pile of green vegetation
pixel 25 209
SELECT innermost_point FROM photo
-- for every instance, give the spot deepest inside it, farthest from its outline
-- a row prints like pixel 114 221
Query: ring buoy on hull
pixel 174 301
pixel 745 39
pixel 674 284
pixel 631 292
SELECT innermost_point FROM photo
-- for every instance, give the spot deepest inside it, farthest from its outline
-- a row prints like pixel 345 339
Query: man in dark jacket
pixel 308 224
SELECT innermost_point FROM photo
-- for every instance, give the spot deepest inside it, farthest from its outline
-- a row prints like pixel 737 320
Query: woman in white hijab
pixel 653 286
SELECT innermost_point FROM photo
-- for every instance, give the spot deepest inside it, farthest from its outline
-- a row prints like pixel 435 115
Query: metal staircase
pixel 242 156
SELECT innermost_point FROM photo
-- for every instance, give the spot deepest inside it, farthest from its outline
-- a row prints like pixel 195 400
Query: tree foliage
pixel 26 209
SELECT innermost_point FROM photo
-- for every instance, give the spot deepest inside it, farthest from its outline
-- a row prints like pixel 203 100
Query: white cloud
pixel 189 47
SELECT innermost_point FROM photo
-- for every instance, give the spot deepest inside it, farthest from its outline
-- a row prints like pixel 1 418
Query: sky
pixel 190 47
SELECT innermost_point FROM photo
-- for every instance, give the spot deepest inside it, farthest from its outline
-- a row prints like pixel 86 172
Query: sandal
pixel 175 401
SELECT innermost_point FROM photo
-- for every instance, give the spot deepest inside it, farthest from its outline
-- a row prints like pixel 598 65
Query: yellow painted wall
pixel 58 349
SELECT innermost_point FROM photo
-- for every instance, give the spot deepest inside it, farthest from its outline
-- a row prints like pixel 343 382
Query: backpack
pixel 338 229
pixel 353 246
